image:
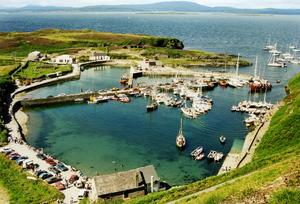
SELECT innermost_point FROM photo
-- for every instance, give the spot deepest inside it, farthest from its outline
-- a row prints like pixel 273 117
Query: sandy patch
pixel 4 197
pixel 22 118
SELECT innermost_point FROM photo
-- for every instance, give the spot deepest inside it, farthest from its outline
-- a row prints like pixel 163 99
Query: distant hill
pixel 172 6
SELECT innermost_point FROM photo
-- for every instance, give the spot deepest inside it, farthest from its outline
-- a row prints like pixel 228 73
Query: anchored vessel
pixel 222 139
pixel 198 153
pixel 257 84
pixel 124 79
pixel 180 139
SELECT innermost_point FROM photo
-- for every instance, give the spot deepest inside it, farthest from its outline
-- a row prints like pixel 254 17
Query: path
pixel 210 189
pixel 4 197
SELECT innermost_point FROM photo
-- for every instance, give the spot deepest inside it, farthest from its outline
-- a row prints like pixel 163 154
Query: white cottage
pixel 63 59
pixel 34 56
pixel 97 56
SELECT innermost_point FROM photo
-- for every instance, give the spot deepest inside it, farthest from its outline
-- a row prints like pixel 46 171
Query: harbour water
pixel 115 136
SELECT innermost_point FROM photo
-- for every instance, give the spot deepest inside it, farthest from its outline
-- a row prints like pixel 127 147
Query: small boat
pixel 200 157
pixel 197 151
pixel 180 139
pixel 216 156
pixel 278 81
pixel 123 98
pixel 222 139
pixel 124 79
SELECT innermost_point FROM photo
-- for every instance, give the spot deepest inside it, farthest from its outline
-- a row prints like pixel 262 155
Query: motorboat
pixel 197 151
pixel 189 112
pixel 222 139
pixel 200 157
pixel 124 79
pixel 123 98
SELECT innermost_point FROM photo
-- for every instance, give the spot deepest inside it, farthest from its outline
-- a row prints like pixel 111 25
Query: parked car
pixel 45 175
pixel 61 167
pixel 11 154
pixel 38 173
pixel 60 186
pixel 14 156
pixel 51 161
pixel 41 156
pixel 53 180
pixel 54 170
pixel 20 160
pixel 7 150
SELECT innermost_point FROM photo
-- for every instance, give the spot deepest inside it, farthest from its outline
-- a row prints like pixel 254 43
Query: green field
pixel 132 46
pixel 22 190
pixel 273 175
pixel 35 70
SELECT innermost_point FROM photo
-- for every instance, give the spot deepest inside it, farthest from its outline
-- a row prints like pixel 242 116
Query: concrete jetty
pixel 70 98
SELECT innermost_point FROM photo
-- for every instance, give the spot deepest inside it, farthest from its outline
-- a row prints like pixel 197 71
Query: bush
pixel 3 137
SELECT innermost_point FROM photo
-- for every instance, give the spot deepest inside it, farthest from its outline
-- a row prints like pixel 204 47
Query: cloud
pixel 232 3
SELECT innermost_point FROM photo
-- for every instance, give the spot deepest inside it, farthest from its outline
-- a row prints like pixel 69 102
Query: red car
pixel 60 186
pixel 51 161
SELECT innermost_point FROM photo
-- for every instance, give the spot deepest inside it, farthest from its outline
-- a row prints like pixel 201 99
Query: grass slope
pixel 20 189
pixel 38 69
pixel 273 175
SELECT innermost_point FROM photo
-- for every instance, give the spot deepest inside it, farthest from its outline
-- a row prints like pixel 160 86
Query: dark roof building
pixel 123 185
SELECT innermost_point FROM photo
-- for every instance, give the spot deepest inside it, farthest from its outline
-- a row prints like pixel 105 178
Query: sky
pixel 231 3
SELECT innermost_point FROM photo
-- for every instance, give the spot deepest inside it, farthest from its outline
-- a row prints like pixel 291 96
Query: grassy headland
pixel 119 46
pixel 272 176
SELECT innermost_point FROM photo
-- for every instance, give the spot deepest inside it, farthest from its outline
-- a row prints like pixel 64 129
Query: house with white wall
pixel 98 56
pixel 63 59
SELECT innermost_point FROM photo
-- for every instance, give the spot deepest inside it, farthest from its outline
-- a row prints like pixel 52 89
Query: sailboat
pixel 269 46
pixel 258 84
pixel 274 63
pixel 180 139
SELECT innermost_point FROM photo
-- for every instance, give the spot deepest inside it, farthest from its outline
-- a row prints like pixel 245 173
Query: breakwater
pixel 71 98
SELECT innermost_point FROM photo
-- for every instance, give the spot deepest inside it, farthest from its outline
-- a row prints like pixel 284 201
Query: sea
pixel 111 137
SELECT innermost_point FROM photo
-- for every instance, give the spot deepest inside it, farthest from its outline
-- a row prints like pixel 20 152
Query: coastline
pixel 252 140
pixel 22 118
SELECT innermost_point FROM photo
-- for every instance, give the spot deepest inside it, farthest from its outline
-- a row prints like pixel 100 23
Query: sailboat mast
pixel 265 95
pixel 180 130
pixel 255 68
pixel 237 65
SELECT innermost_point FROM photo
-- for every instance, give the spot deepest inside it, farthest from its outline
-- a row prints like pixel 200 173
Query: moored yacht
pixel 180 139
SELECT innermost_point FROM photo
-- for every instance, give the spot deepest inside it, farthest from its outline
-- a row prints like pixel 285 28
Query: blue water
pixel 114 136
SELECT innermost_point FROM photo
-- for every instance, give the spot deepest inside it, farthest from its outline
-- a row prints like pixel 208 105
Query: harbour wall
pixel 68 98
